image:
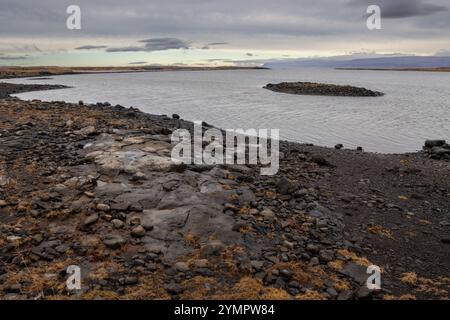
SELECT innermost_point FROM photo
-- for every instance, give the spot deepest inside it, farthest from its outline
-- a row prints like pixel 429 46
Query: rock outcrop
pixel 321 89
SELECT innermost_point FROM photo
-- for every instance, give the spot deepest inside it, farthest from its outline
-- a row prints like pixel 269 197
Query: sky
pixel 211 32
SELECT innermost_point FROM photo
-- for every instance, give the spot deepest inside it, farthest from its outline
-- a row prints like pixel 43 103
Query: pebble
pixel 118 224
pixel 257 265
pixel 138 232
pixel 326 255
pixel 182 266
pixel 130 281
pixel 114 241
pixel 201 263
pixel 13 238
pixel 103 207
pixel 284 186
pixel 93 218
pixel 214 247
pixel 173 288
pixel 267 213
pixel 14 288
pixel 312 248
pixel 285 273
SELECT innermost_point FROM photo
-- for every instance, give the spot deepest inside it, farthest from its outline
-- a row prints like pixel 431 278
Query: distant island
pixel 321 89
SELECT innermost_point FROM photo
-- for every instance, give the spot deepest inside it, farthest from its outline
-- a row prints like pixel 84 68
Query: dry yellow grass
pixel 310 295
pixel 354 257
pixel 379 230
pixel 409 278
pixel 34 280
pixel 336 264
pixel 253 289
pixel 402 297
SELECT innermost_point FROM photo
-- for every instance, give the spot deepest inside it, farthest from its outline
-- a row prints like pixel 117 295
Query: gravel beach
pixel 93 185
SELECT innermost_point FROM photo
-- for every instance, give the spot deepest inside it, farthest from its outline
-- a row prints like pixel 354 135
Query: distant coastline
pixel 25 72
pixel 440 69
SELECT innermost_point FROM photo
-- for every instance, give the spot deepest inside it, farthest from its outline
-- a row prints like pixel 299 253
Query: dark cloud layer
pixel 395 9
pixel 138 62
pixel 160 44
pixel 90 47
pixel 3 57
pixel 155 44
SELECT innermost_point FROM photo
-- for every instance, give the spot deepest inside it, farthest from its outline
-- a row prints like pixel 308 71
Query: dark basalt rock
pixel 437 149
pixel 321 89
pixel 6 89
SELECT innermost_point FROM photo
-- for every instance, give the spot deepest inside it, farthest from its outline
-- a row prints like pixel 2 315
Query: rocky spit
pixel 321 89
pixel 94 186
pixel 6 89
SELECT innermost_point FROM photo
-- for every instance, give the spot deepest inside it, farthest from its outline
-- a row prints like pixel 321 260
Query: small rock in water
pixel 359 149
pixel 339 146
pixel 175 116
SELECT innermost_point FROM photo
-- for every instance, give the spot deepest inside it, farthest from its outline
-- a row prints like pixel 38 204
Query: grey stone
pixel 103 207
pixel 93 218
pixel 114 241
pixel 138 232
pixel 182 266
pixel 173 288
pixel 118 224
pixel 356 272
pixel 214 247
pixel 434 143
pixel 284 186
pixel 326 255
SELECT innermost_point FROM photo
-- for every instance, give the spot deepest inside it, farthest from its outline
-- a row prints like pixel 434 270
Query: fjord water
pixel 416 105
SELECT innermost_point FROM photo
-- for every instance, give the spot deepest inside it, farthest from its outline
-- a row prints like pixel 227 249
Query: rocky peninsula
pixel 93 185
pixel 321 89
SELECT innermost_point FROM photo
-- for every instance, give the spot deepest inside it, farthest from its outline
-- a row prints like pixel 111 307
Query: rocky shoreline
pixel 93 186
pixel 321 89
pixel 7 89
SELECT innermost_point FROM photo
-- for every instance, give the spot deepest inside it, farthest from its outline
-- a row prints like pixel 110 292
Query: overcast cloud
pixel 155 26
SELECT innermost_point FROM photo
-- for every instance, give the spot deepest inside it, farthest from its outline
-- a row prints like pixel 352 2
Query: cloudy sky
pixel 209 32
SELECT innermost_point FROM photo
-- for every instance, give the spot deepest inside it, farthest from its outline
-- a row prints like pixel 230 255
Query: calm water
pixel 416 106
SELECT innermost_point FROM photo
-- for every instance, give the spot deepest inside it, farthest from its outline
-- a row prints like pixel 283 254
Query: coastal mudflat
pixel 94 186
